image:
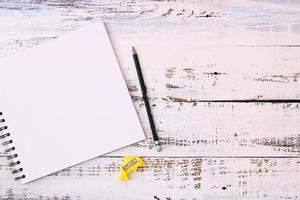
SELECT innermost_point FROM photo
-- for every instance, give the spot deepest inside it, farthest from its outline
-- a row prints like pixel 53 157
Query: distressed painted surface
pixel 214 72
pixel 223 80
pixel 174 178
pixel 221 129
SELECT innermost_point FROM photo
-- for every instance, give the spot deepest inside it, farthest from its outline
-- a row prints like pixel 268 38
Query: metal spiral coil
pixel 10 150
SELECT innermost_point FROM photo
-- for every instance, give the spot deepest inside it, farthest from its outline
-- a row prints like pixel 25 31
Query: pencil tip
pixel 157 146
pixel 133 50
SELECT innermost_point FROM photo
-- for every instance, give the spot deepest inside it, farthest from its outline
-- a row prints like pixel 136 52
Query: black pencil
pixel 147 105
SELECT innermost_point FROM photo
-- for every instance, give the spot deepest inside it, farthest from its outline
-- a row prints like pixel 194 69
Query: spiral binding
pixel 10 150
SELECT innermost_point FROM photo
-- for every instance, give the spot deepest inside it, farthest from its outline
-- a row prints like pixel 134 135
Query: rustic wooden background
pixel 223 79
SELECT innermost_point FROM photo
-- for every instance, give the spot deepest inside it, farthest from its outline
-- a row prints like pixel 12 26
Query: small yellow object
pixel 130 164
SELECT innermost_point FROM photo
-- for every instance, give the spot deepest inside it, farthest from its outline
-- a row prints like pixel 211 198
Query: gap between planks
pixel 176 99
pixel 188 157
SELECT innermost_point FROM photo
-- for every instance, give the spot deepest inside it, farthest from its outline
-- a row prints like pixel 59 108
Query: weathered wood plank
pixel 198 73
pixel 210 55
pixel 27 23
pixel 180 72
pixel 195 178
pixel 221 129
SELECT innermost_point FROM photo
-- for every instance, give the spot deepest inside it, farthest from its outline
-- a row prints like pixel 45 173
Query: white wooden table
pixel 223 80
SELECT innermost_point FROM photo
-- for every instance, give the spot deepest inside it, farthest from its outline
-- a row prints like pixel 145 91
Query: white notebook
pixel 64 102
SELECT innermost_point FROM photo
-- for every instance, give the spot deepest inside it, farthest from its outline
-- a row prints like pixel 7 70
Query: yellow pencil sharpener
pixel 130 164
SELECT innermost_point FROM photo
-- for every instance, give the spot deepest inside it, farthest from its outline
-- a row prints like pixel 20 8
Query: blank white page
pixel 66 101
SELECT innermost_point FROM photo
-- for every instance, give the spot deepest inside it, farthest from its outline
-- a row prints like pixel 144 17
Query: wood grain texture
pixel 209 73
pixel 216 51
pixel 163 178
pixel 220 129
pixel 223 81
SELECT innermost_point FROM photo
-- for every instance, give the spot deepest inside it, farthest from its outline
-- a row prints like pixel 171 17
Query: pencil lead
pixel 133 50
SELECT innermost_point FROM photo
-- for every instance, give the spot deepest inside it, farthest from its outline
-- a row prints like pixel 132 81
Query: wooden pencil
pixel 145 98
